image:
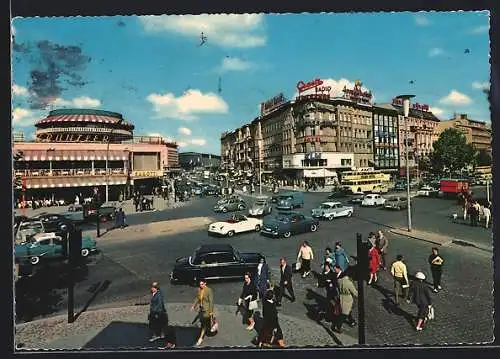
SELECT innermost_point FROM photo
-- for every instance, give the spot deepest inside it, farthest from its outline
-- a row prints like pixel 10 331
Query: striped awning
pixel 89 118
pixel 34 183
pixel 74 155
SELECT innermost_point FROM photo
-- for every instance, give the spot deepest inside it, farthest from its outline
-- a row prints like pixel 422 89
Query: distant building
pixel 477 133
pixel 385 137
pixel 191 160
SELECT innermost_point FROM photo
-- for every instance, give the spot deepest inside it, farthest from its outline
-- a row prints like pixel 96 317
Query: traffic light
pixel 362 266
pixel 75 245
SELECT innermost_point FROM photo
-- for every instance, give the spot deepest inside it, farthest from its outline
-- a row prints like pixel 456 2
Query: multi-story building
pixel 191 160
pixel 419 131
pixel 77 150
pixel 385 138
pixel 477 133
pixel 307 139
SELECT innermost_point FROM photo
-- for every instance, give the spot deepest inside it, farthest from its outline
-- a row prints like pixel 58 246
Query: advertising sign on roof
pixel 321 92
pixel 270 105
pixel 357 94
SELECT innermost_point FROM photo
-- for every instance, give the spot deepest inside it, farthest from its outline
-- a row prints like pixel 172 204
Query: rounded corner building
pixel 78 151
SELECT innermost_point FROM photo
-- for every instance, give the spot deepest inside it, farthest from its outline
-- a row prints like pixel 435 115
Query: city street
pixel 126 266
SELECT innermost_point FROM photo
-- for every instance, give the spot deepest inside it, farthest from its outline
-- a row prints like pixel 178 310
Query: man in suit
pixel 285 282
pixel 262 277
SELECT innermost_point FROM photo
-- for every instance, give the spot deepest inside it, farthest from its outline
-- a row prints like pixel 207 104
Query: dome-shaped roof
pixel 84 115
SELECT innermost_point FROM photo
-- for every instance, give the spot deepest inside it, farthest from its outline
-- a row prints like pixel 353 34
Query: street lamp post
pixel 406 110
pixel 107 159
pixel 260 177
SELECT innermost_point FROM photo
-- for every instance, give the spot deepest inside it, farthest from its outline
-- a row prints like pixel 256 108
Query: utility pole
pixel 362 269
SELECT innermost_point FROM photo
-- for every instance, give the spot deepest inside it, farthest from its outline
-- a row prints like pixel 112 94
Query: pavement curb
pixel 93 322
pixel 448 242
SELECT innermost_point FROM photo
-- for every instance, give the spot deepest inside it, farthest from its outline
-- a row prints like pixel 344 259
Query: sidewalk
pixel 126 328
pixel 438 238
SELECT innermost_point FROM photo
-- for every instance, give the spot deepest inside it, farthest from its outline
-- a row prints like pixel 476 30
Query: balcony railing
pixel 70 172
pixel 83 129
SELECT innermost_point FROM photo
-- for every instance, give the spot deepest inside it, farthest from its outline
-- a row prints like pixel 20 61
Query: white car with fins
pixel 236 224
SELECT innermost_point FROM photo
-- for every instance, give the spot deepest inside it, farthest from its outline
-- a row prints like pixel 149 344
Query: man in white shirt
pixel 305 256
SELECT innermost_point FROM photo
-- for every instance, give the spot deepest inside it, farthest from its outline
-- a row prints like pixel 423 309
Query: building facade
pixel 477 133
pixel 88 149
pixel 191 160
pixel 386 138
pixel 419 131
pixel 307 139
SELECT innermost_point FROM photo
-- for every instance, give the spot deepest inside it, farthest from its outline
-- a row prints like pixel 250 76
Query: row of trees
pixel 451 154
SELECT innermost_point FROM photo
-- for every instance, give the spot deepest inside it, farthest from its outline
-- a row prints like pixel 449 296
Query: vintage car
pixel 331 210
pixel 284 224
pixel 49 246
pixel 373 200
pixel 236 224
pixel 88 213
pixel 214 261
pixel 357 199
pixel 396 202
pixel 54 223
pixel 230 205
pixel 427 191
pixel 28 228
pixel 261 207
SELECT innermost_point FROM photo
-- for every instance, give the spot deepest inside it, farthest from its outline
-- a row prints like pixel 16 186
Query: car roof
pixel 215 247
pixel 289 214
pixel 332 203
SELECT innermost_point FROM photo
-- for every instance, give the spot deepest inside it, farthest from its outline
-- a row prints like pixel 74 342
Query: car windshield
pixel 285 198
pixel 393 199
pixel 325 206
pixel 35 226
pixel 283 219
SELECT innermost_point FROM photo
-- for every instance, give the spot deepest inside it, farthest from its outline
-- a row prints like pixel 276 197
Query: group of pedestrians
pixel 475 212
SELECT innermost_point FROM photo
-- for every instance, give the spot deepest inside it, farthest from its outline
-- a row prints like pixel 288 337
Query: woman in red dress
pixel 373 263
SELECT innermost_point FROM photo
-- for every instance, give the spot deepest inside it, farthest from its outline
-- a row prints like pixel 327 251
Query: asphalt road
pixel 464 308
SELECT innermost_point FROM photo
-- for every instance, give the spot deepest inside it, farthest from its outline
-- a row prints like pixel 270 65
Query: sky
pixel 163 77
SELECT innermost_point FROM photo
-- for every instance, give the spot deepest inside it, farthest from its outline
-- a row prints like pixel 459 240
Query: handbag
pixel 336 308
pixel 430 314
pixel 214 325
pixel 298 265
pixel 253 304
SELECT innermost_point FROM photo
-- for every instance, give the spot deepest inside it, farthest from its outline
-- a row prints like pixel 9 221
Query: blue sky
pixel 152 70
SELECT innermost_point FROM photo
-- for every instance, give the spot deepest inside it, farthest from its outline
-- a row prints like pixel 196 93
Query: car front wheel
pixel 314 228
pixel 287 234
pixel 331 217
pixel 257 227
pixel 85 252
pixel 230 233
pixel 224 210
pixel 35 260
pixel 349 214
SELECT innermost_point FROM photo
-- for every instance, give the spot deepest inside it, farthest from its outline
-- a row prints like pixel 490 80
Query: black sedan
pixel 214 261
pixel 284 224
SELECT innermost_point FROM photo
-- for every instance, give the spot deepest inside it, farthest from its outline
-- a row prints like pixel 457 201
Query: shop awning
pixel 74 155
pixel 74 182
pixel 319 173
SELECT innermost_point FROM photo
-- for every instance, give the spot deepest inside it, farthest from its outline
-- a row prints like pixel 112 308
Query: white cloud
pixel 23 117
pixel 184 131
pixel 155 134
pixel 235 64
pixel 456 98
pixel 437 111
pixel 197 141
pixel 336 87
pixel 186 106
pixel 19 90
pixel 77 102
pixel 232 30
pixel 480 29
pixel 481 85
pixel 436 51
pixel 421 20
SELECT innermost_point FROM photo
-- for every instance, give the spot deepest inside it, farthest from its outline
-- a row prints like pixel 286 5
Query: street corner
pixel 423 236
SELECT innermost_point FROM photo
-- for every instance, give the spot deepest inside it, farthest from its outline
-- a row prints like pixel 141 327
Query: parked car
pixel 230 205
pixel 396 202
pixel 285 224
pixel 214 261
pixel 49 246
pixel 400 186
pixel 261 207
pixel 290 201
pixel 28 228
pixel 373 200
pixel 54 223
pixel 88 213
pixel 331 210
pixel 338 193
pixel 236 224
pixel 357 199
pixel 427 191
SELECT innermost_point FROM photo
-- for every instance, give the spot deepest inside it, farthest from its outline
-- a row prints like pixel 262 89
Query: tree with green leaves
pixel 483 158
pixel 451 152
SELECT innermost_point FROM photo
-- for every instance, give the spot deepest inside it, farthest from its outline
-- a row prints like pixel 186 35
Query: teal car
pixel 49 247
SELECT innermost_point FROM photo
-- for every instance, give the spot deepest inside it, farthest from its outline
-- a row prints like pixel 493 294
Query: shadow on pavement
pixel 44 292
pixel 128 335
pixel 391 307
pixel 320 312
pixel 95 289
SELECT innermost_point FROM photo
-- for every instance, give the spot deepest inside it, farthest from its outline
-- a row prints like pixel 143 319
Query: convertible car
pixel 235 224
